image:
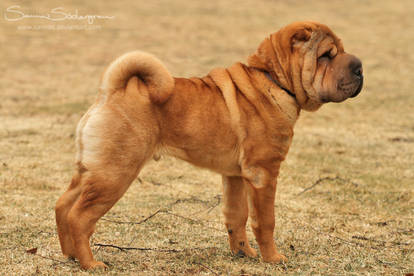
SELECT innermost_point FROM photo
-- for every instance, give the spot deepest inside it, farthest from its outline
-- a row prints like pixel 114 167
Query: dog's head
pixel 308 59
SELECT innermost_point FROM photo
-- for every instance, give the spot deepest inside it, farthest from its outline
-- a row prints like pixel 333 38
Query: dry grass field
pixel 345 200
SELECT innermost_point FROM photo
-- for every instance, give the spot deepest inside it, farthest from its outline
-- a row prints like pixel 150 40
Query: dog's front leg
pixel 261 186
pixel 235 212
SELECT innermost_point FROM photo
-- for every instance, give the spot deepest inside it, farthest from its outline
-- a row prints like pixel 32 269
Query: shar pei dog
pixel 237 121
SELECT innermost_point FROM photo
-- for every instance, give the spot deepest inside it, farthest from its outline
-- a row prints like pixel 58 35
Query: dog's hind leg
pixel 100 187
pixel 99 192
pixel 63 205
pixel 66 201
pixel 113 146
pixel 235 210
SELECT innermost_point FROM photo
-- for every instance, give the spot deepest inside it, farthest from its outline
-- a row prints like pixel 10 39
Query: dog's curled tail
pixel 145 66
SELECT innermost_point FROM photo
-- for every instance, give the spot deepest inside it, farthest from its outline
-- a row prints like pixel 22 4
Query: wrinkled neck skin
pixel 291 67
pixel 279 98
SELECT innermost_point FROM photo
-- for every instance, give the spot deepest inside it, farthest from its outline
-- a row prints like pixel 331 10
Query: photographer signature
pixel 56 14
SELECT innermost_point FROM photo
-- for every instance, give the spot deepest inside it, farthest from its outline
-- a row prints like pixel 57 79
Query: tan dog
pixel 236 121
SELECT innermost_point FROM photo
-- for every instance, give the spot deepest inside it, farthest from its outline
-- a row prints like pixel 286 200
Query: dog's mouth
pixel 351 89
pixel 358 90
pixel 344 90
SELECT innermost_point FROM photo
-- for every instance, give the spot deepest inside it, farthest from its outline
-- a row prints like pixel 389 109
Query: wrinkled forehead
pixel 304 37
pixel 321 40
pixel 329 38
pixel 309 30
pixel 326 44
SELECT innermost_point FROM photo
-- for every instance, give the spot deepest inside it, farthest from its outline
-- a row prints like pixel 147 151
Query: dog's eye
pixel 327 54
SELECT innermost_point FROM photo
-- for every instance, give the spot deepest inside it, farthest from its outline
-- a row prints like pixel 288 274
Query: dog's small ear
pixel 301 35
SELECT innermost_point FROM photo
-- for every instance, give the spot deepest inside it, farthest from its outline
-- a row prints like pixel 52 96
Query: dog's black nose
pixel 358 71
pixel 355 66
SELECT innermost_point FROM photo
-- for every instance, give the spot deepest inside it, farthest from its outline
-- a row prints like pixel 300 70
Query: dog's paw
pixel 275 258
pixel 244 249
pixel 69 257
pixel 95 265
pixel 248 251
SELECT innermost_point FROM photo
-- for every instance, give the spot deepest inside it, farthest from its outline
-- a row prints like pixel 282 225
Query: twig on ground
pixel 404 231
pixel 320 180
pixel 165 211
pixel 139 222
pixel 382 223
pixel 157 212
pixel 121 248
pixel 176 215
pixel 137 248
pixel 351 242
pixel 206 267
pixel 209 209
pixel 193 220
pixel 383 243
pixel 215 205
pixel 390 264
pixel 192 199
pixel 341 239
pixel 149 181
